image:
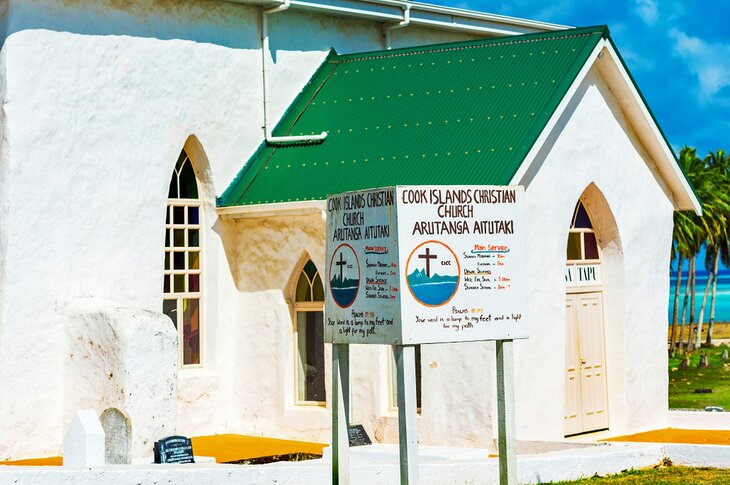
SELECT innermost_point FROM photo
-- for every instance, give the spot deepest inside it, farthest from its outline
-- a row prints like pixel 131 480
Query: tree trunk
pixel 713 296
pixel 693 288
pixel 675 312
pixel 698 340
pixel 684 304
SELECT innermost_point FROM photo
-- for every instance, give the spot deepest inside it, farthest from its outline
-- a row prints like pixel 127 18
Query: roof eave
pixel 280 209
pixel 421 14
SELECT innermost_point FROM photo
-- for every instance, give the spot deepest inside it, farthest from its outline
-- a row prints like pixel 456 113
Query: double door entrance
pixel 586 403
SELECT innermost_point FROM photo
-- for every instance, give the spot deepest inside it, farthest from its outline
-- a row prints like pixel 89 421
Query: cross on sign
pixel 428 257
pixel 341 263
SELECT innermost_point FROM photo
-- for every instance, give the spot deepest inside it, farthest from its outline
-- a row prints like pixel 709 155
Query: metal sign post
pixel 340 414
pixel 506 414
pixel 405 361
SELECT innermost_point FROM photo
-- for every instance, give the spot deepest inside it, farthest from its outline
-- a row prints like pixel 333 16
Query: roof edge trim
pixel 691 202
pixel 683 199
pixel 280 209
pixel 430 15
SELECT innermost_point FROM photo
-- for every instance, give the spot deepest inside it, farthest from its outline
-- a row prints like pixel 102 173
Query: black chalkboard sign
pixel 357 435
pixel 174 449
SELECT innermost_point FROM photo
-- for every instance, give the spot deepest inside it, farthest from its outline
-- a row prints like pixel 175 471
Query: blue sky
pixel 678 52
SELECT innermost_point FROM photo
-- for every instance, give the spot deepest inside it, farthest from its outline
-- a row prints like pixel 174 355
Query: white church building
pixel 163 172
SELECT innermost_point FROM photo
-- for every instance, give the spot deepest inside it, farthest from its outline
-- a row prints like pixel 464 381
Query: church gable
pixel 460 113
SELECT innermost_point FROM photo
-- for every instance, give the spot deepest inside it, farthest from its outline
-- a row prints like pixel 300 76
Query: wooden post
pixel 340 414
pixel 506 413
pixel 405 360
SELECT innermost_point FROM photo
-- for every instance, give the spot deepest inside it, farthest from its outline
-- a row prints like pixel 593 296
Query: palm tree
pixel 719 161
pixel 682 243
pixel 710 184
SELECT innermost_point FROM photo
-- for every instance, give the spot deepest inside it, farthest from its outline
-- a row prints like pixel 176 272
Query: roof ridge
pixel 472 44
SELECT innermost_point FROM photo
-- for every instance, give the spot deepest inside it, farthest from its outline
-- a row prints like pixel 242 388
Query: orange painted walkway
pixel 224 447
pixel 233 447
pixel 671 435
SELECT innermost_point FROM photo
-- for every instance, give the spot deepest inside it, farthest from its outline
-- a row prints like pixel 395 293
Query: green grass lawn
pixel 660 475
pixel 683 382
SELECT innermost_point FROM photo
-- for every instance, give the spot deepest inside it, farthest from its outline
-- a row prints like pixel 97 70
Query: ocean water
pixel 722 302
pixel 434 293
pixel 344 296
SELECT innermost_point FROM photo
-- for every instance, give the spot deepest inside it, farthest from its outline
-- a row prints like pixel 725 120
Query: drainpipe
pixel 403 23
pixel 265 78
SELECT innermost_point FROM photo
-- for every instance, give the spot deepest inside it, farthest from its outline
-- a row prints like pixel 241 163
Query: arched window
pixel 182 275
pixel 582 243
pixel 309 336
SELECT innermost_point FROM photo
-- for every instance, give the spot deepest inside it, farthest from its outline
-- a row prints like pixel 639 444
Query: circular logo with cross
pixel 344 273
pixel 432 273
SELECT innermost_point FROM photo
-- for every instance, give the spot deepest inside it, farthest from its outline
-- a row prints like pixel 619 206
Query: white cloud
pixel 706 60
pixel 648 11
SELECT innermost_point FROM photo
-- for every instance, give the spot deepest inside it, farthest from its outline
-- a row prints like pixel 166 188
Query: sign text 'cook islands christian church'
pixel 410 265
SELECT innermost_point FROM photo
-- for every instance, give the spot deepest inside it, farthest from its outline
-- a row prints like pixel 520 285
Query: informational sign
pixel 410 265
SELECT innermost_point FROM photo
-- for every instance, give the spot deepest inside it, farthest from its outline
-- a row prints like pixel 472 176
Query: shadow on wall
pixel 264 253
pixel 195 20
pixel 214 22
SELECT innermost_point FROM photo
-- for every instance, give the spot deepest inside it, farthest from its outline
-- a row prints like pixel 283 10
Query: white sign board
pixel 411 265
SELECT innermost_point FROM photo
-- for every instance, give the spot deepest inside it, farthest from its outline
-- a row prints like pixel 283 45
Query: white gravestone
pixel 84 441
pixel 117 436
pixel 413 265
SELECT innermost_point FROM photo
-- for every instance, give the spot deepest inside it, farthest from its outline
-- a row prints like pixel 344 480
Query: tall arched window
pixel 582 243
pixel 309 336
pixel 182 278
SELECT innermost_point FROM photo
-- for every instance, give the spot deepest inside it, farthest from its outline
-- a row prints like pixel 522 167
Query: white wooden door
pixel 586 403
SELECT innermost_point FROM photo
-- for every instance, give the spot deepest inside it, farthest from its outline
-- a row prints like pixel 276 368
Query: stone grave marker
pixel 117 432
pixel 84 441
pixel 174 449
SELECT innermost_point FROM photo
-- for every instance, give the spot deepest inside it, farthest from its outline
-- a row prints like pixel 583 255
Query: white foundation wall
pixel 99 98
pixel 594 144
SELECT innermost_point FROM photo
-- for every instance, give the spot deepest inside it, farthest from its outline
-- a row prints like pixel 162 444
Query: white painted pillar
pixel 340 414
pixel 506 413
pixel 405 360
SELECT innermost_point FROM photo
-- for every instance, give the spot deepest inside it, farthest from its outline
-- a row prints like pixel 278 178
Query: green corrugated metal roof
pixel 458 113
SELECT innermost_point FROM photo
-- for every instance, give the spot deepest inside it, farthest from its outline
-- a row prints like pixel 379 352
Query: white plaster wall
pixel 593 144
pixel 99 97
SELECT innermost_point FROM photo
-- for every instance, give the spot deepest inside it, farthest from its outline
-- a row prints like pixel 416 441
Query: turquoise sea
pixel 722 303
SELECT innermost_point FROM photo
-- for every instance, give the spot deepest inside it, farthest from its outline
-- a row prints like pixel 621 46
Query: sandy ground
pixel 720 332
